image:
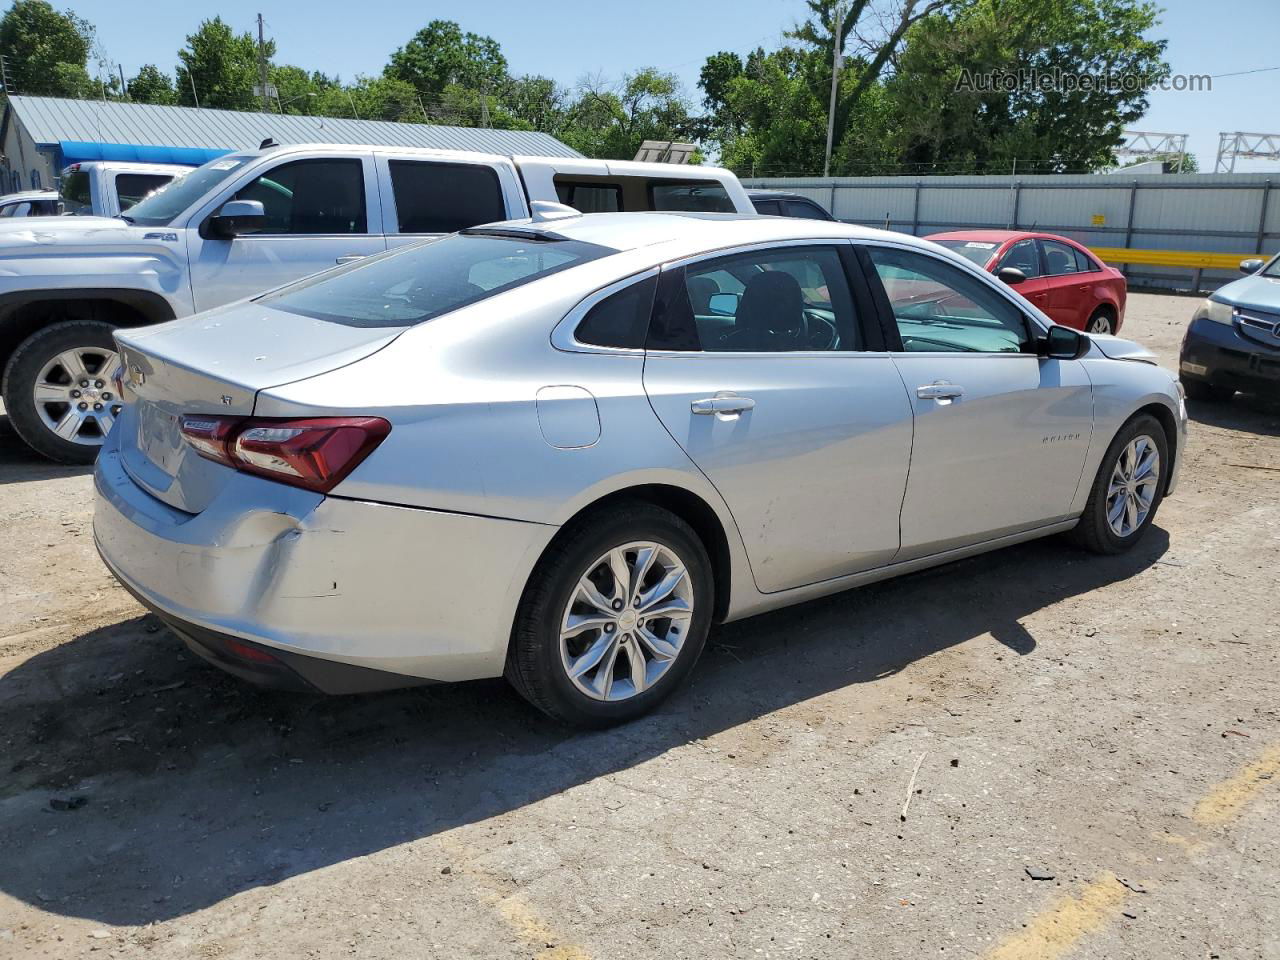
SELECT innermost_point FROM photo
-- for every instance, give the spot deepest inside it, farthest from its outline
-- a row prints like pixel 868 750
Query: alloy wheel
pixel 626 621
pixel 1100 324
pixel 1134 482
pixel 75 396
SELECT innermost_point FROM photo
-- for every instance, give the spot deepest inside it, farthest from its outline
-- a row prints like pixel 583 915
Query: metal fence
pixel 1197 213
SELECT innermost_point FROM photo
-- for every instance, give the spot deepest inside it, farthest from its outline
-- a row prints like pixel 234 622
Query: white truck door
pixel 320 211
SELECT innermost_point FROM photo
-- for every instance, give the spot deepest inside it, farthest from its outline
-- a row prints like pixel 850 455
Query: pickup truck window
pixel 445 197
pixel 589 197
pixel 133 187
pixel 322 196
pixel 425 280
pixel 697 196
pixel 160 209
pixel 75 193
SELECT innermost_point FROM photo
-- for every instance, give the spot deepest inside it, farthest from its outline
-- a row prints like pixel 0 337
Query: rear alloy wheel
pixel 59 390
pixel 1128 488
pixel 614 617
pixel 1101 322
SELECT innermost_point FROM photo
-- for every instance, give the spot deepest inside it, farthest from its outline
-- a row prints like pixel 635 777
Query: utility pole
pixel 262 67
pixel 4 73
pixel 484 105
pixel 836 60
pixel 124 87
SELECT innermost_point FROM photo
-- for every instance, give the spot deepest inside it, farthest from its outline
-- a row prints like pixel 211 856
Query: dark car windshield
pixel 160 208
pixel 979 251
pixel 417 283
pixel 1272 269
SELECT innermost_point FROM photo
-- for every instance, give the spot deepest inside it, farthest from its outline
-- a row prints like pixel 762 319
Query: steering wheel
pixel 817 332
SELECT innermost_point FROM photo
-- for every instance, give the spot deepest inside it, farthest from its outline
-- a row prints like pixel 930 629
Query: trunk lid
pixel 215 363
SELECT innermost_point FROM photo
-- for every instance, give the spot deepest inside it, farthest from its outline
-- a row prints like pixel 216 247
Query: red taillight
pixel 316 453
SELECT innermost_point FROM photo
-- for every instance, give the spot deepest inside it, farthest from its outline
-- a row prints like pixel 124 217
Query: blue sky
pixel 568 39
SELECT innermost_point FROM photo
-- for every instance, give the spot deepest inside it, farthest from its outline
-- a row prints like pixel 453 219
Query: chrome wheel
pixel 75 395
pixel 1100 324
pixel 1133 486
pixel 626 621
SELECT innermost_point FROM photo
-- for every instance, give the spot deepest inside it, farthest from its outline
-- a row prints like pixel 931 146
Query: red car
pixel 1058 275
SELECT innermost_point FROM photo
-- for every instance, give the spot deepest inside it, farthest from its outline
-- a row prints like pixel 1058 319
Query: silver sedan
pixel 559 450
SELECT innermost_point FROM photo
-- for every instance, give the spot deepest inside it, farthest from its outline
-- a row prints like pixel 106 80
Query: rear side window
pixel 695 196
pixel 767 208
pixel 75 192
pixel 426 280
pixel 590 197
pixel 132 187
pixel 445 197
pixel 311 197
pixel 620 320
pixel 806 209
pixel 1084 263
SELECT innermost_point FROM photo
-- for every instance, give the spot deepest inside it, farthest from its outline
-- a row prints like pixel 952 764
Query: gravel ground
pixel 1110 724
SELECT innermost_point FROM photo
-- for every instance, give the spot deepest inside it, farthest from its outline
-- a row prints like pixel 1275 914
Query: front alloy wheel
pixel 1134 483
pixel 1127 488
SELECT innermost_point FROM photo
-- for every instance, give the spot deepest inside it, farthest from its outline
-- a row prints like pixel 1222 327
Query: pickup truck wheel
pixel 59 390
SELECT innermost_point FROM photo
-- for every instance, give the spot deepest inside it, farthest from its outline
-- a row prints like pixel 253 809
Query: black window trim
pixel 845 250
pixel 391 184
pixel 889 323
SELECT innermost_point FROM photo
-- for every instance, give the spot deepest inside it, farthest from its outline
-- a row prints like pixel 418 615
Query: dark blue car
pixel 1233 342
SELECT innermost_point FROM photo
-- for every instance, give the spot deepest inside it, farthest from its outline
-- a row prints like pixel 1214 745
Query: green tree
pixel 222 64
pixel 441 54
pixel 47 50
pixel 535 103
pixel 298 90
pixel 612 122
pixel 949 122
pixel 149 85
pixel 370 98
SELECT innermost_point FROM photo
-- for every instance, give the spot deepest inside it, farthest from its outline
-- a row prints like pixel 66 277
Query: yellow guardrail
pixel 1175 258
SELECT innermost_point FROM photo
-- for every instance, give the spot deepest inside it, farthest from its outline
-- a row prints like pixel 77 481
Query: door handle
pixel 349 258
pixel 711 405
pixel 939 391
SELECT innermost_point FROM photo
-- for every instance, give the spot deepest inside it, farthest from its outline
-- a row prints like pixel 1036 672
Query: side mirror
pixel 237 217
pixel 1011 275
pixel 1252 265
pixel 1063 343
pixel 723 304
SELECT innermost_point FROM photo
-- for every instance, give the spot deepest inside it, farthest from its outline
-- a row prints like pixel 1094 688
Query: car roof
pixel 29 195
pixel 777 195
pixel 682 234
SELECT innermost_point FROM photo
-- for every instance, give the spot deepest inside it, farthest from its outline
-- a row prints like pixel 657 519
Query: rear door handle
pixel 349 258
pixel 711 405
pixel 939 391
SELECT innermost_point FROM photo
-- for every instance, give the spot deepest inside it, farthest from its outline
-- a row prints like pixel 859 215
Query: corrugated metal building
pixel 41 135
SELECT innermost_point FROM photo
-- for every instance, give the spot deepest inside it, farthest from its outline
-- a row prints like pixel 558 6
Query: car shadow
pixel 1246 412
pixel 20 464
pixel 198 787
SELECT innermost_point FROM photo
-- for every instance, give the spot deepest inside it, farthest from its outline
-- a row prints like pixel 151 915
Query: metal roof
pixel 51 120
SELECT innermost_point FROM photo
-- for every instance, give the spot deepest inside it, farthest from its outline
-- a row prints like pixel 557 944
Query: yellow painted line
pixel 1056 930
pixel 1228 799
pixel 1175 258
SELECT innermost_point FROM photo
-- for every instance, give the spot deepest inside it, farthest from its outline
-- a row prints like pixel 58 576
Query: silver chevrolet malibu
pixel 560 449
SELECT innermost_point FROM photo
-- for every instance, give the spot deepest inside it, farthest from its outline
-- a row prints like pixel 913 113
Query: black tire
pixel 1100 316
pixel 534 664
pixel 1094 532
pixel 1202 391
pixel 20 378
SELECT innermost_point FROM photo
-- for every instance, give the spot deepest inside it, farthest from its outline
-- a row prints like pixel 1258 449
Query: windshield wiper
pixel 125 217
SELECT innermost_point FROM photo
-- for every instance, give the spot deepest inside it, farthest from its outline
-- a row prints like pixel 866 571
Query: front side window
pixel 769 301
pixel 420 282
pixel 445 197
pixel 133 187
pixel 939 308
pixel 324 196
pixel 162 207
pixel 74 192
pixel 1023 256
pixel 691 196
pixel 1059 259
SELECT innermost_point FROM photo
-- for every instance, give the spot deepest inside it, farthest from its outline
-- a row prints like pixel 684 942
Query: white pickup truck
pixel 107 188
pixel 248 222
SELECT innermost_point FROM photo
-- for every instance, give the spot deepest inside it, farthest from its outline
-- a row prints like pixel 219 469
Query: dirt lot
pixel 1113 724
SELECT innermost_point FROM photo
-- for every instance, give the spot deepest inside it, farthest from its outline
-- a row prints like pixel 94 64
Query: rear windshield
pixel 979 251
pixel 160 208
pixel 417 283
pixel 74 192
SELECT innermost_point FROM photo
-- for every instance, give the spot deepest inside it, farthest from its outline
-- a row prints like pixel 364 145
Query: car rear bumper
pixel 399 592
pixel 1220 354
